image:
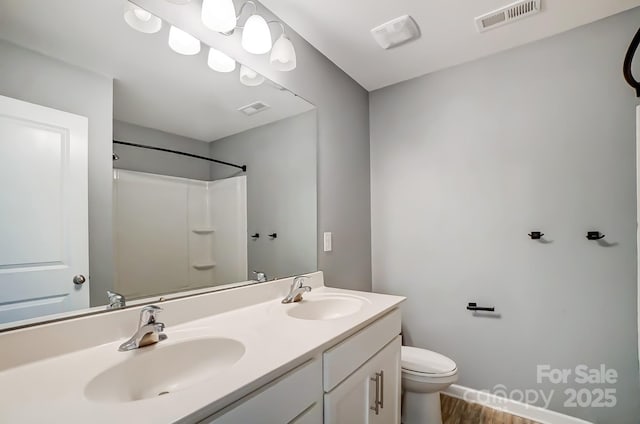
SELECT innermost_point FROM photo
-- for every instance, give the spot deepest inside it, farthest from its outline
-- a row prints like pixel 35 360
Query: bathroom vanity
pixel 234 356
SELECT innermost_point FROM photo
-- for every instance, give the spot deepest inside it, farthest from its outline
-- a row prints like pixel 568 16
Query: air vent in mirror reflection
pixel 253 108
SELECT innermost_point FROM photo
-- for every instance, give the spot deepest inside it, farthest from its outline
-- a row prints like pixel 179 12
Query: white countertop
pixel 52 389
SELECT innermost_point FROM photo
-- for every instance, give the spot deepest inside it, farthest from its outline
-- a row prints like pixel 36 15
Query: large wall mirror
pixel 129 168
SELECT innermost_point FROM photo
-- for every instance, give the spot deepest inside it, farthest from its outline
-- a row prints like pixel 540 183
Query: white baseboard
pixel 535 413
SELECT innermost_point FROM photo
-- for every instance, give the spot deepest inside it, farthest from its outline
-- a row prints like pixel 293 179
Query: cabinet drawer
pixel 343 359
pixel 281 401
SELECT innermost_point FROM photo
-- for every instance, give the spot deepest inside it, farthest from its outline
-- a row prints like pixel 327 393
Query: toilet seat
pixel 418 377
pixel 422 362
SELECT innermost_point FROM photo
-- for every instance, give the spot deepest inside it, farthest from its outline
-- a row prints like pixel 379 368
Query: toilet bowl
pixel 424 375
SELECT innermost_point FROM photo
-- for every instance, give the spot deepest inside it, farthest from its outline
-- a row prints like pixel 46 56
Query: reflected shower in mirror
pixel 129 168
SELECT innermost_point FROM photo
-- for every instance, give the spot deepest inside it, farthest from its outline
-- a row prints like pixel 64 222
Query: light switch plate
pixel 327 242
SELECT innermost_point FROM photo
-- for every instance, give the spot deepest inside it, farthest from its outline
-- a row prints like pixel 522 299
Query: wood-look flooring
pixel 458 411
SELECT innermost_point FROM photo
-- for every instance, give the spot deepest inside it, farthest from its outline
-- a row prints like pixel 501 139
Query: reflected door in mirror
pixel 43 211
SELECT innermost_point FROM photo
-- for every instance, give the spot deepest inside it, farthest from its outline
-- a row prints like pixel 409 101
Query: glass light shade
pixel 141 20
pixel 249 77
pixel 218 15
pixel 179 1
pixel 219 61
pixel 283 55
pixel 256 37
pixel 183 43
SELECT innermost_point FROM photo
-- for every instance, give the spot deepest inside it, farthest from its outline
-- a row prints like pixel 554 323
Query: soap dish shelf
pixel 203 267
pixel 204 230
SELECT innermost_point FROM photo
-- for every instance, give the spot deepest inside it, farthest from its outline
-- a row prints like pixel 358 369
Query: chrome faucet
pixel 116 300
pixel 149 330
pixel 297 290
pixel 261 277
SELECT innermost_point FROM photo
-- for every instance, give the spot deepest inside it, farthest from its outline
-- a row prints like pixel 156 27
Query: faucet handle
pixel 148 314
pixel 116 300
pixel 261 277
pixel 299 280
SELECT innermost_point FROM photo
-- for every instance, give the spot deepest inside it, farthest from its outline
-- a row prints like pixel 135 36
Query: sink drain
pixel 163 393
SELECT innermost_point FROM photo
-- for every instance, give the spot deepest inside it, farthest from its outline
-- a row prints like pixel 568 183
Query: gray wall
pixel 465 162
pixel 343 141
pixel 281 192
pixel 32 77
pixel 156 162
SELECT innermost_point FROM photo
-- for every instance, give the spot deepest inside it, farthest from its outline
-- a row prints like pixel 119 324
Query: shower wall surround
pixel 465 163
pixel 174 234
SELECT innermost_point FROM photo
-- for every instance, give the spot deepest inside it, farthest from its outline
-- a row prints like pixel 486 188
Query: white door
pixel 43 211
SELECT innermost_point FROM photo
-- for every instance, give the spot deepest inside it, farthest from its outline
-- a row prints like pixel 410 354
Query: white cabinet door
pixel 387 366
pixel 43 211
pixel 354 400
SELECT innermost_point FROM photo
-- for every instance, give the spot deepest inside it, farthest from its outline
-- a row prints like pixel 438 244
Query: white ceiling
pixel 340 30
pixel 153 86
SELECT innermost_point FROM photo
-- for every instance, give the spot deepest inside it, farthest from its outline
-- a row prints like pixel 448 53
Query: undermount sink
pixel 163 369
pixel 326 307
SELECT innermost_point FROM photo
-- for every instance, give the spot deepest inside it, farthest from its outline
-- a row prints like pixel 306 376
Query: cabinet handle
pixel 379 402
pixel 381 388
pixel 376 404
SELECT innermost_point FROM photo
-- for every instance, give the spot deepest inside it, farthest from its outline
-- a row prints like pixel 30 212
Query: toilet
pixel 424 375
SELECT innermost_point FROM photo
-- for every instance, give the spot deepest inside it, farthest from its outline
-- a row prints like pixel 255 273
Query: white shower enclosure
pixel 173 234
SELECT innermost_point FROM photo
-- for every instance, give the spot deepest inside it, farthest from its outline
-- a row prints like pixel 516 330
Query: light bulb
pixel 183 43
pixel 249 77
pixel 141 20
pixel 256 37
pixel 283 55
pixel 218 15
pixel 143 15
pixel 219 61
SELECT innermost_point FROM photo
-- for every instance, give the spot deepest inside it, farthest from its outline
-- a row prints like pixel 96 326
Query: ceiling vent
pixel 253 108
pixel 505 15
pixel 396 32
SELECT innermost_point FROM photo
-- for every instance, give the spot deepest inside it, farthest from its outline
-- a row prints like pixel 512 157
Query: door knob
pixel 79 279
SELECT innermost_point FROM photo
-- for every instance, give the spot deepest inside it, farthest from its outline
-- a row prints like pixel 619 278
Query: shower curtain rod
pixel 161 149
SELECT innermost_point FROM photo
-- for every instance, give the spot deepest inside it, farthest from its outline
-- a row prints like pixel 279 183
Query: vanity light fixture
pixel 219 15
pixel 256 37
pixel 182 42
pixel 141 20
pixel 219 61
pixel 283 55
pixel 249 77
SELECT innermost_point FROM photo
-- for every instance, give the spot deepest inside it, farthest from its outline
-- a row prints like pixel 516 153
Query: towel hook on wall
pixel 536 235
pixel 594 235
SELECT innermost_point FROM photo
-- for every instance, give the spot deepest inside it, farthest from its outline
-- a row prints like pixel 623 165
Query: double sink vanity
pixel 233 356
